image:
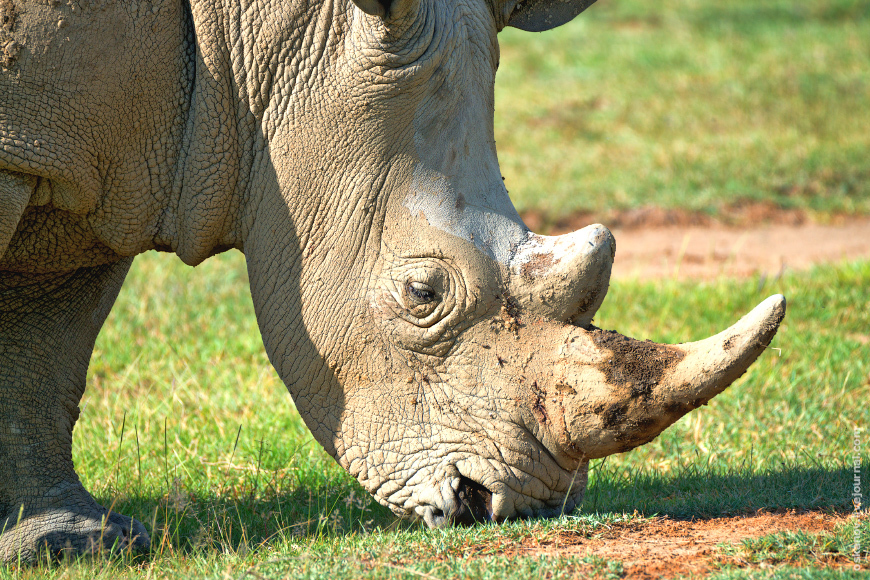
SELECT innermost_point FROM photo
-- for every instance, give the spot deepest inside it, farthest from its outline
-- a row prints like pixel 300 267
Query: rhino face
pixel 439 350
pixel 454 413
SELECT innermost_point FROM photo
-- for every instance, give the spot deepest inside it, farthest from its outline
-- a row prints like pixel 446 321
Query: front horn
pixel 606 393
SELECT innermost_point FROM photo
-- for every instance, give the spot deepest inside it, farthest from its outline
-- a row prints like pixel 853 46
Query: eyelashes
pixel 420 293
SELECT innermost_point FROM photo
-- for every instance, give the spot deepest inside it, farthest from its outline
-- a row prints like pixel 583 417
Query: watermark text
pixel 857 497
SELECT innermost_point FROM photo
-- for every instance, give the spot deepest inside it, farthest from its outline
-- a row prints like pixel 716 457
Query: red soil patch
pixel 747 240
pixel 665 548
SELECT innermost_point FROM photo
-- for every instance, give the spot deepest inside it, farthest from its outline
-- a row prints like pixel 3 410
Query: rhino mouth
pixel 467 503
pixel 475 504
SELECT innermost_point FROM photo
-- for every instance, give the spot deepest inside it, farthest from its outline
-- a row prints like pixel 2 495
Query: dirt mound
pixel 710 252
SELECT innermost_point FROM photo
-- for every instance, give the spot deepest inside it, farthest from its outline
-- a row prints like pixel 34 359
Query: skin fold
pixel 440 351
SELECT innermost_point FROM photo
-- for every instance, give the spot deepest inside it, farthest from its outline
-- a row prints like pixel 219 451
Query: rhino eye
pixel 419 292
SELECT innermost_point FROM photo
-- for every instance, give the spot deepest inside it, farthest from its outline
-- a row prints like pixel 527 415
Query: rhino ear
pixel 386 9
pixel 374 7
pixel 540 15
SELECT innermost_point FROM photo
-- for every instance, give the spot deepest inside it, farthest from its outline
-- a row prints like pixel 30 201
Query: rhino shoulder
pixel 93 107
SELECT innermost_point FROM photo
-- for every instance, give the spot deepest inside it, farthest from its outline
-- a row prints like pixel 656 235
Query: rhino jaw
pixel 462 501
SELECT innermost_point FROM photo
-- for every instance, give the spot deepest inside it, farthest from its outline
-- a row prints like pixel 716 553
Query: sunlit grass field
pixel 680 103
pixel 691 104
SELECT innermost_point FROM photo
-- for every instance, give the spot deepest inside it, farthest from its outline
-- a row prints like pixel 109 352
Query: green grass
pixel 799 547
pixel 689 104
pixel 783 552
pixel 788 573
pixel 186 427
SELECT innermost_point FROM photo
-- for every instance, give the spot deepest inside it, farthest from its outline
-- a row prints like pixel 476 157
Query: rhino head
pixel 440 351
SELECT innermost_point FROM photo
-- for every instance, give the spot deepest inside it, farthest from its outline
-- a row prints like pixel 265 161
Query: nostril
pixel 475 503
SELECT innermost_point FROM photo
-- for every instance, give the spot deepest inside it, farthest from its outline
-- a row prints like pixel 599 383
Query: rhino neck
pixel 312 200
pixel 237 59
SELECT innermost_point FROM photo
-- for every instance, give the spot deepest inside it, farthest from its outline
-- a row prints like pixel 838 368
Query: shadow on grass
pixel 237 522
pixel 704 492
pixel 234 521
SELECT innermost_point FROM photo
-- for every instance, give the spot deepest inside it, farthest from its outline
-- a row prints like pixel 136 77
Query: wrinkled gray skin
pixel 441 352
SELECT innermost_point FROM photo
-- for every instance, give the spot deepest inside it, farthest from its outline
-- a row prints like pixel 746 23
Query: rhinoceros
pixel 439 350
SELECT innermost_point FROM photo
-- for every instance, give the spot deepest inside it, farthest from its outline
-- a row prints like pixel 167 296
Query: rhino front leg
pixel 48 325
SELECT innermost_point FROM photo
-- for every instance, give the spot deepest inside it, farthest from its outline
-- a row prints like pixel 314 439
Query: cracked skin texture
pixel 347 149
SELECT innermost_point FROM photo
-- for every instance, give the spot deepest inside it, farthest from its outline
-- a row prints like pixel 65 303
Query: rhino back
pixel 93 104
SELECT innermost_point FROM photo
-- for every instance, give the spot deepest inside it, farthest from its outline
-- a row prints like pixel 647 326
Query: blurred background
pixel 691 105
pixel 716 138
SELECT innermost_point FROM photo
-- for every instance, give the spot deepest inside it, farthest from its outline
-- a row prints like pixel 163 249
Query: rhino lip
pixel 475 503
